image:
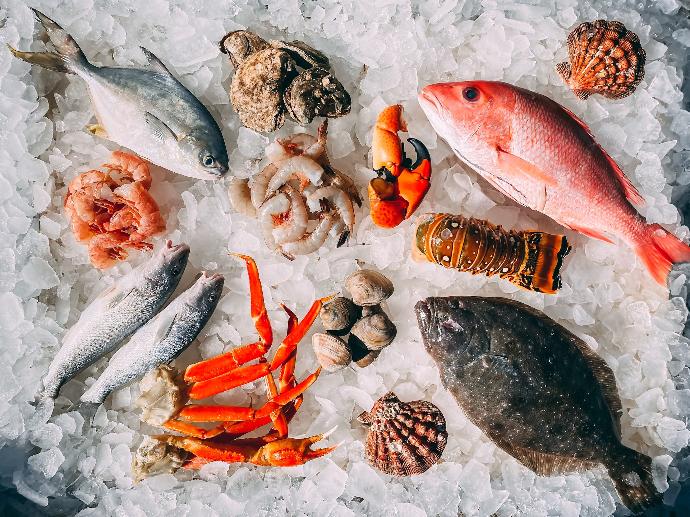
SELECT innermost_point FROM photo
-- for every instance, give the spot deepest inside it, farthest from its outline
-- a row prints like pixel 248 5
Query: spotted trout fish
pixel 117 313
pixel 534 388
pixel 542 156
pixel 161 339
pixel 148 111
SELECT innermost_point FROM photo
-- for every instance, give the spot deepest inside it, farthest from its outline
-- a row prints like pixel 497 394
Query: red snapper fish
pixel 541 155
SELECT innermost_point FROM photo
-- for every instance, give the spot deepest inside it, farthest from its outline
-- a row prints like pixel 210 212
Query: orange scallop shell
pixel 604 58
pixel 405 438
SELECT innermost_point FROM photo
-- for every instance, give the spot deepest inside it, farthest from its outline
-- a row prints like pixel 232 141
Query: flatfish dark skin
pixel 534 388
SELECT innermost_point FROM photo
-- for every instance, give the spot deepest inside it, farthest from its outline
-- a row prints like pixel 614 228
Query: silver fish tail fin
pixel 632 475
pixel 69 57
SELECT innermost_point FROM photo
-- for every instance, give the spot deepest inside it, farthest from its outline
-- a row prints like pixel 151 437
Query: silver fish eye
pixel 208 161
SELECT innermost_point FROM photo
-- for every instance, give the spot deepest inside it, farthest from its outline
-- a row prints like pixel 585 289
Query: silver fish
pixel 161 339
pixel 116 314
pixel 148 111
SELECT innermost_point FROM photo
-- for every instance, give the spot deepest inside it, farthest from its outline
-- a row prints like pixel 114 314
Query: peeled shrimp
pixel 240 197
pixel 295 225
pixel 259 184
pixel 302 168
pixel 299 144
pixel 140 214
pixel 273 207
pixel 343 182
pixel 312 241
pixel 107 248
pixel 336 198
pixel 130 168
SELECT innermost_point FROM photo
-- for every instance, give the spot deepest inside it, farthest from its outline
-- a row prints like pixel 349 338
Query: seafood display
pixel 529 259
pixel 404 438
pixel 603 57
pixel 369 328
pixel 296 190
pixel 116 314
pixel 112 210
pixel 511 368
pixel 400 185
pixel 148 111
pixel 268 82
pixel 161 339
pixel 539 154
pixel 222 373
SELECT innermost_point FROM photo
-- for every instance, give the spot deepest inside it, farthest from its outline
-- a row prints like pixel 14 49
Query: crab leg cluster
pixel 229 370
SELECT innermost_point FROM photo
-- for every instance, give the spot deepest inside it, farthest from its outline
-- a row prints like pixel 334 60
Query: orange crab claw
pixel 289 452
pixel 388 208
pixel 414 182
pixel 385 142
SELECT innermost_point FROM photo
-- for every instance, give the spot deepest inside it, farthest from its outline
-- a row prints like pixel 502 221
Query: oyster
pixel 257 89
pixel 604 58
pixel 239 45
pixel 316 93
pixel 338 315
pixel 332 353
pixel 368 287
pixel 404 438
pixel 304 55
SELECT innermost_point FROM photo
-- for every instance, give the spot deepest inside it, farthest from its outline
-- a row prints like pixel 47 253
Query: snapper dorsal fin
pixel 629 189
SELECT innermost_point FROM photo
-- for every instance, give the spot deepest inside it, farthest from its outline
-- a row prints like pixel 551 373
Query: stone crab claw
pixel 400 185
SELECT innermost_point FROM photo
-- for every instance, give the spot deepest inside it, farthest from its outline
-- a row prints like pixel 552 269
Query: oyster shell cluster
pixel 298 198
pixel 404 438
pixel 268 82
pixel 605 58
pixel 370 329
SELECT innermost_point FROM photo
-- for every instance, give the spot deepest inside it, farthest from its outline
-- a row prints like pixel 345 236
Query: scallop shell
pixel 368 287
pixel 339 315
pixel 332 352
pixel 604 58
pixel 375 331
pixel 404 438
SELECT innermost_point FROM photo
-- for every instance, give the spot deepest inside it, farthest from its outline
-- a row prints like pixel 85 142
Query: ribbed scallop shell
pixel 604 58
pixel 405 438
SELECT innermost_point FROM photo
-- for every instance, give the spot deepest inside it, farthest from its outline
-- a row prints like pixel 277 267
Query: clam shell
pixel 375 331
pixel 604 58
pixel 339 315
pixel 332 353
pixel 368 287
pixel 404 438
pixel 369 358
pixel 361 355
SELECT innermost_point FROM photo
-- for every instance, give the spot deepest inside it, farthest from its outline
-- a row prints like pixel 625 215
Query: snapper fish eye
pixel 470 93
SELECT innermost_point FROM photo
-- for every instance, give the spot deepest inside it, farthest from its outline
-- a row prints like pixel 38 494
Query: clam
pixel 339 315
pixel 404 438
pixel 375 331
pixel 370 309
pixel 603 57
pixel 332 353
pixel 367 359
pixel 368 287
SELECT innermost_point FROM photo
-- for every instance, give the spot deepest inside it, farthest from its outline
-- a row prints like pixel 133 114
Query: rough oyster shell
pixel 404 438
pixel 332 353
pixel 604 58
pixel 339 315
pixel 305 55
pixel 239 45
pixel 316 93
pixel 257 86
pixel 368 287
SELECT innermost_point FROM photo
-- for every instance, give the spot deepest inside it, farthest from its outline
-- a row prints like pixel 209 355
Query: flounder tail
pixel 68 59
pixel 659 250
pixel 632 476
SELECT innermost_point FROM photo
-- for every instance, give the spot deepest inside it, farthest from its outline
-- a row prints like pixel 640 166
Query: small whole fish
pixel 161 339
pixel 148 111
pixel 534 388
pixel 116 313
pixel 539 154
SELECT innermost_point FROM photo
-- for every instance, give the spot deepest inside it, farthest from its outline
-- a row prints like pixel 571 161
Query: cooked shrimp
pixel 273 208
pixel 141 214
pixel 293 225
pixel 299 144
pixel 338 200
pixel 240 197
pixel 130 168
pixel 259 184
pixel 106 249
pixel 343 182
pixel 312 241
pixel 302 168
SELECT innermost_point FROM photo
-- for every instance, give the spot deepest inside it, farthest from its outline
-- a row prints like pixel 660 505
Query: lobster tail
pixel 531 260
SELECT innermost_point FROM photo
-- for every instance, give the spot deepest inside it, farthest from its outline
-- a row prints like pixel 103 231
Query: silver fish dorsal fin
pixel 156 64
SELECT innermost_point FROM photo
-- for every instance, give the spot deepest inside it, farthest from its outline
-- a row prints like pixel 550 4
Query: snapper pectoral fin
pixel 590 233
pixel 519 167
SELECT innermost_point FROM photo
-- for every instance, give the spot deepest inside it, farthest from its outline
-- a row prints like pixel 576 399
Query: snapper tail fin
pixel 659 250
pixel 68 59
pixel 544 257
pixel 632 477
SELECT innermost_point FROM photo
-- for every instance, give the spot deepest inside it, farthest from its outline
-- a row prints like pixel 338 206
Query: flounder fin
pixel 632 477
pixel 155 64
pixel 629 189
pixel 517 165
pixel 544 464
pixel 590 233
pixel 159 128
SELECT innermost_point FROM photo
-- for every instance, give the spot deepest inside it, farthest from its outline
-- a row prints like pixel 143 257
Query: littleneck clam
pixel 338 315
pixel 404 438
pixel 332 353
pixel 375 331
pixel 368 287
